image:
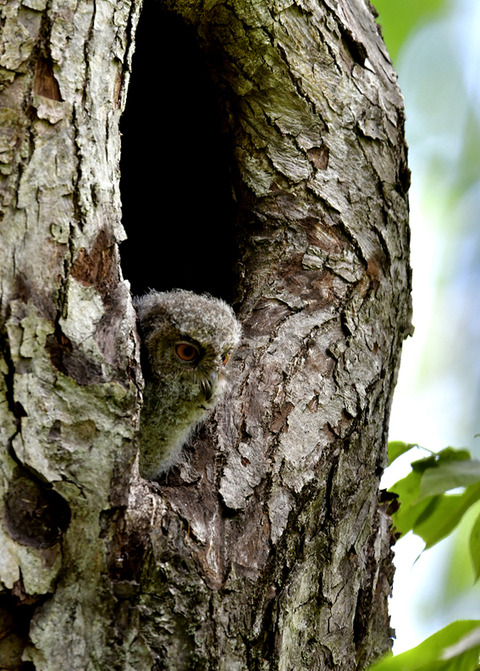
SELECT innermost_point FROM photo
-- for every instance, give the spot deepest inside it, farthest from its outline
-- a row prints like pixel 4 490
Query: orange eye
pixel 225 358
pixel 187 352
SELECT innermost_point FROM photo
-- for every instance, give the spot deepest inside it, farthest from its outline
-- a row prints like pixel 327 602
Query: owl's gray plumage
pixel 186 339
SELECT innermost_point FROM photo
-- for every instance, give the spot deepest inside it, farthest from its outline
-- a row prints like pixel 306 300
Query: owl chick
pixel 186 341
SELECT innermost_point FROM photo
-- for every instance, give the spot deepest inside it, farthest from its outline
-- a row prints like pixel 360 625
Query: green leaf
pixel 396 448
pixel 445 455
pixel 412 507
pixel 437 474
pixel 468 642
pixel 408 489
pixel 437 653
pixel 443 513
pixel 424 507
pixel 449 472
pixel 454 454
pixel 475 547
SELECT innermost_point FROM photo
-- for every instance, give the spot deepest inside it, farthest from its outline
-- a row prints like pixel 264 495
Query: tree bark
pixel 269 547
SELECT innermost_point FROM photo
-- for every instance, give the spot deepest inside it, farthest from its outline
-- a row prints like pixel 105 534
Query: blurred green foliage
pixel 399 17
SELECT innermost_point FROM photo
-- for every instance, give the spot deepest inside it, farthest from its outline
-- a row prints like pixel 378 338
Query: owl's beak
pixel 209 384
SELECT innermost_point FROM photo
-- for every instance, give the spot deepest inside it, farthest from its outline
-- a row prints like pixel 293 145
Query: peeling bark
pixel 268 548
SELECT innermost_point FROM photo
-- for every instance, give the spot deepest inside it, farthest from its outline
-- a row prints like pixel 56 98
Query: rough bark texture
pixel 269 549
pixel 68 373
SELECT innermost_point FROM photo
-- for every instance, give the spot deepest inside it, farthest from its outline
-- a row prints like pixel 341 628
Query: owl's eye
pixel 225 358
pixel 187 352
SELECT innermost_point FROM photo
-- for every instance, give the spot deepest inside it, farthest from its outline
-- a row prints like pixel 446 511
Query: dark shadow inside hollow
pixel 178 209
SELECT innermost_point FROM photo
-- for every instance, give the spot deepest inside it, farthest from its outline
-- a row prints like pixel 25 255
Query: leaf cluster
pixel 428 505
pixel 432 499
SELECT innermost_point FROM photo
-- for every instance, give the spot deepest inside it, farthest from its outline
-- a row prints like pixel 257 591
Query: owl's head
pixel 187 339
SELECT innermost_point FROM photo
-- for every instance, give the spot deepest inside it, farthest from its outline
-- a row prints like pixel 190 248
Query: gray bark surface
pixel 270 549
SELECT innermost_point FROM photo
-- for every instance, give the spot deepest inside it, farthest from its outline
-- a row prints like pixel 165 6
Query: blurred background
pixel 435 47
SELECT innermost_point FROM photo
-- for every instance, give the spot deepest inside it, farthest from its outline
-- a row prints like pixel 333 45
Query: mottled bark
pixel 269 548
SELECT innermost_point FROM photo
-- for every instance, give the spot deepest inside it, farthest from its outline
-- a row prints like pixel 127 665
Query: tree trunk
pixel 268 548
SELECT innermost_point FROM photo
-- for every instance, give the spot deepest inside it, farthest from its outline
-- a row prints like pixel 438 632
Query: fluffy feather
pixel 186 340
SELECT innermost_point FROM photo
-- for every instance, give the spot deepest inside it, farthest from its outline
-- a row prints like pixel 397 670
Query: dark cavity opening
pixel 178 209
